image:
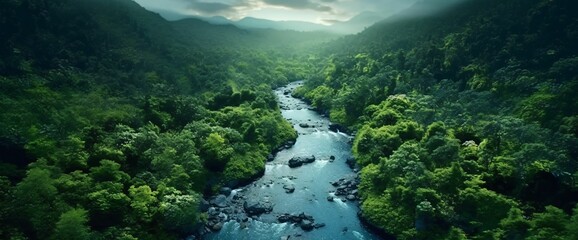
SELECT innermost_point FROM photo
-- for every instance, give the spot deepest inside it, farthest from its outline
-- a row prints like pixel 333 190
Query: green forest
pixel 466 121
pixel 115 122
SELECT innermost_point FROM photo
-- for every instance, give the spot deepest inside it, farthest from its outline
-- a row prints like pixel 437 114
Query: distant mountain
pixel 351 26
pixel 250 22
pixel 208 35
pixel 357 23
pixel 217 20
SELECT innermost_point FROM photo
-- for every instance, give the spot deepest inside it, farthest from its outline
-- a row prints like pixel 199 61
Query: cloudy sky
pixel 318 11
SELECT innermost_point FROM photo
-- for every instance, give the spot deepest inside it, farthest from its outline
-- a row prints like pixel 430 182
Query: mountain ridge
pixel 353 25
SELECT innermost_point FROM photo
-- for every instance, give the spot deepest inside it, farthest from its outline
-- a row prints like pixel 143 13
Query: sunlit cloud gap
pixel 316 11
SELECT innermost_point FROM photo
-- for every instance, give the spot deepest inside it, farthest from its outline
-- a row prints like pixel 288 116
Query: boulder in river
pixel 309 159
pixel 243 225
pixel 284 218
pixel 217 227
pixel 298 161
pixel 219 201
pixel 307 225
pixel 253 207
pixel 305 216
pixel 319 225
pixel 330 198
pixel 289 188
pixel 304 125
pixel 294 162
pixel 295 219
pixel 212 211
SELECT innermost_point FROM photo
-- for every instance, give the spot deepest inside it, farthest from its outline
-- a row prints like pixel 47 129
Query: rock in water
pixel 243 225
pixel 219 201
pixel 307 225
pixel 289 188
pixel 319 225
pixel 217 227
pixel 284 218
pixel 309 159
pixel 295 162
pixel 257 208
pixel 307 217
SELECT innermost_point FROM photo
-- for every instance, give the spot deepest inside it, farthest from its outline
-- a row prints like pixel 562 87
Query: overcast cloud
pixel 300 4
pixel 319 11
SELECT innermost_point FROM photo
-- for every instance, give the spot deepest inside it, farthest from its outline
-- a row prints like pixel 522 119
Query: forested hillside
pixel 114 121
pixel 466 118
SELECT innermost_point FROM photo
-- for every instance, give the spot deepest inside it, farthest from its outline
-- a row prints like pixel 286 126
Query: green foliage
pixel 72 225
pixel 456 234
pixel 122 113
pixel 245 167
pixel 374 143
pixel 572 226
pixel 550 224
pixel 515 225
pixel 108 171
pixel 74 187
pixel 466 118
pixel 180 211
pixel 36 202
pixel 321 97
pixel 473 103
pixel 486 216
pixel 380 210
pixel 144 202
pixel 108 203
pixel 216 151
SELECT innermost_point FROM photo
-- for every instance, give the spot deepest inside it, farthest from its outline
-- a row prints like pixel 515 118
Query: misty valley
pixel 271 119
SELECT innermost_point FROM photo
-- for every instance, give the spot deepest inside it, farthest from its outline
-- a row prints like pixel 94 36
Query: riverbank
pixel 316 199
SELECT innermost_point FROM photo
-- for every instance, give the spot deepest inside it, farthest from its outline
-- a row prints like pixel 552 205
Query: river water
pixel 311 182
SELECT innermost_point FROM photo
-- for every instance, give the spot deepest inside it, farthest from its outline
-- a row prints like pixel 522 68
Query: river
pixel 312 184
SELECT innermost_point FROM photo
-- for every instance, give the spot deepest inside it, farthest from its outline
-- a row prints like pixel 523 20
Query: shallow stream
pixel 312 183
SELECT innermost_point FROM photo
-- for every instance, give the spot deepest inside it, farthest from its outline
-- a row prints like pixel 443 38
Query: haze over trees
pixel 116 122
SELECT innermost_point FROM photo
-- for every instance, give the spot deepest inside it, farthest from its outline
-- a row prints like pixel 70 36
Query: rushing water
pixel 311 181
